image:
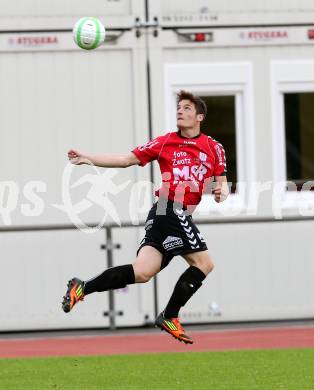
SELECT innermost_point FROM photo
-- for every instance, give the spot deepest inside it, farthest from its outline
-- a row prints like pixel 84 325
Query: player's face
pixel 186 115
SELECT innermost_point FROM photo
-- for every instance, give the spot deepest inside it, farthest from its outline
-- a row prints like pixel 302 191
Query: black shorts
pixel 172 233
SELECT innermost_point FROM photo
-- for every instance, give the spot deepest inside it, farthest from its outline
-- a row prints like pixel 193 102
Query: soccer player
pixel 187 159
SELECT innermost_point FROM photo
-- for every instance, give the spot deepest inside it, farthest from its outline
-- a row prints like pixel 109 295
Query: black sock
pixel 189 282
pixel 112 278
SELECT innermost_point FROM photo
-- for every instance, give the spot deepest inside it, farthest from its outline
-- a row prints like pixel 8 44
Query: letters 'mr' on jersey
pixel 186 164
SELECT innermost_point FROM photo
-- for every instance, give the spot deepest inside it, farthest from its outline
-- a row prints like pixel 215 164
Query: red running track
pixel 263 338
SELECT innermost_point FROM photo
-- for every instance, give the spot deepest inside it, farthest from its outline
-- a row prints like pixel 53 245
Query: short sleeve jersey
pixel 186 164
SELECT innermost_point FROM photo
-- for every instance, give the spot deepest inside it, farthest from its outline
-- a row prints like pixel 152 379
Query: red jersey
pixel 186 164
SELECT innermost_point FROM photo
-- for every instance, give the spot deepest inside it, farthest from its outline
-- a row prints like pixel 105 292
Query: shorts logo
pixel 149 224
pixel 172 243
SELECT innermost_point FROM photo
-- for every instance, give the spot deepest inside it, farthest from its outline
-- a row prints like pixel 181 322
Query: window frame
pixel 287 77
pixel 220 79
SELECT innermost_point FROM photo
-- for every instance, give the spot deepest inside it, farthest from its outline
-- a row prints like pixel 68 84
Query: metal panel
pixel 35 269
pixel 244 12
pixel 54 97
pixel 57 99
pixel 34 14
pixel 262 272
pixel 168 50
pixel 134 304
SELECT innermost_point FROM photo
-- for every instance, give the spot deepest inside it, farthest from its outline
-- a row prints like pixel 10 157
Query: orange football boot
pixel 173 327
pixel 75 293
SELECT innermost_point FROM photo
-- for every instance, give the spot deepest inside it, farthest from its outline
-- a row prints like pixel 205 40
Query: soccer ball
pixel 89 33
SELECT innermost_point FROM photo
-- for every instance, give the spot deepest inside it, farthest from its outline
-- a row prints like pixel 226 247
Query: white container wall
pixel 232 13
pixel 54 99
pixel 262 268
pixel 33 15
pixel 54 96
pixel 35 268
pixel 253 73
pixel 262 271
pixel 134 304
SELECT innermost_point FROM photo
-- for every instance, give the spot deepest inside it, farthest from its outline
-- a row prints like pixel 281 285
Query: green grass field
pixel 249 370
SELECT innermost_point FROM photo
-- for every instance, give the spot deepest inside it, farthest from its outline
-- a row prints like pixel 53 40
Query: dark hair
pixel 200 105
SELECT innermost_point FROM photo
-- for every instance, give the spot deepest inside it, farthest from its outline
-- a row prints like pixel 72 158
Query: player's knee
pixel 210 265
pixel 206 265
pixel 142 277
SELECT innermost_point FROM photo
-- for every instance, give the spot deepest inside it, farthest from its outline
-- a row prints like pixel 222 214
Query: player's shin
pixel 189 282
pixel 111 279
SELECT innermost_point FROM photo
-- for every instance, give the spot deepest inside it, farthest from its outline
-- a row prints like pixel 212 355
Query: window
pixel 292 86
pixel 220 125
pixel 227 88
pixel 299 132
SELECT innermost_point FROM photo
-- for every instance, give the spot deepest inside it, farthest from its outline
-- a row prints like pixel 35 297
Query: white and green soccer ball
pixel 89 33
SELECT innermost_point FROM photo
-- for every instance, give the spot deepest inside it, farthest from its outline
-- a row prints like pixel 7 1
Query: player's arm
pixel 221 188
pixel 105 160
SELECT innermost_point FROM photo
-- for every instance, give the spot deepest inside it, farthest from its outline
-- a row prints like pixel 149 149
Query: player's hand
pixel 219 194
pixel 76 157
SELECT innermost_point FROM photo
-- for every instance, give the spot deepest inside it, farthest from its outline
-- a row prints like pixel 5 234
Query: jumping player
pixel 187 160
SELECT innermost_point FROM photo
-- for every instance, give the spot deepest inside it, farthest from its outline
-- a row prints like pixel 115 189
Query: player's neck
pixel 189 132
